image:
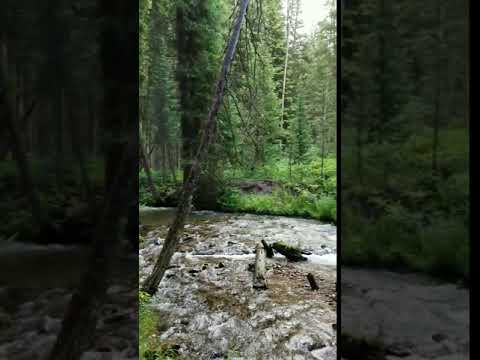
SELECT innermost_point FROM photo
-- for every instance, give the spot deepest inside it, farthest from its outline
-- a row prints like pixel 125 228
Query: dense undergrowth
pixel 303 190
pixel 64 205
pixel 403 216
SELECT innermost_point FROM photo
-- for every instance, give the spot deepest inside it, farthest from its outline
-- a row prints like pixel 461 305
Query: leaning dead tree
pixel 185 201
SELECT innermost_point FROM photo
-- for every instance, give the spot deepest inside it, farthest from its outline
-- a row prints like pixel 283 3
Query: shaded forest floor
pixel 63 199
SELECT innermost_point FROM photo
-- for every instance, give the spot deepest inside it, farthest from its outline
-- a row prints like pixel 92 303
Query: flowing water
pixel 210 309
pixel 208 305
pixel 36 285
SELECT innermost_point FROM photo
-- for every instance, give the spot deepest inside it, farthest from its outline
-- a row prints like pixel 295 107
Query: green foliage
pixel 297 177
pixel 151 348
pixel 415 220
pixel 65 207
pixel 164 187
pixel 281 203
pixel 405 135
pixel 252 142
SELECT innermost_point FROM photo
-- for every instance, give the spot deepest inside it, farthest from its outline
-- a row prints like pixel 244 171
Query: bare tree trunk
pixel 285 66
pixel 185 200
pixel 119 117
pixel 467 72
pixel 324 121
pixel 80 158
pixel 172 163
pixel 79 323
pixel 59 99
pixel 436 114
pixel 5 143
pixel 93 124
pixel 7 102
pixel 146 167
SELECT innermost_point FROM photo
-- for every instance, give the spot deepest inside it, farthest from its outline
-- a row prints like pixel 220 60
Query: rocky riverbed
pixel 209 308
pixel 36 285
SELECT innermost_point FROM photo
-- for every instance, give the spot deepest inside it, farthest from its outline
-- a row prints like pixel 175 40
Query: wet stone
pixel 215 309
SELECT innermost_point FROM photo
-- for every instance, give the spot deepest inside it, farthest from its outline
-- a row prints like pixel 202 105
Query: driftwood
pixel 268 249
pixel 311 280
pixel 259 281
pixel 290 252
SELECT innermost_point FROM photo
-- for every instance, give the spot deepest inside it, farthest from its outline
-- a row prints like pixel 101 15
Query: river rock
pixel 217 310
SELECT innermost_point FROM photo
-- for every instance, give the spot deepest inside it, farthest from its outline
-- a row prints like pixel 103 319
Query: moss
pixel 220 300
pixel 151 348
pixel 290 252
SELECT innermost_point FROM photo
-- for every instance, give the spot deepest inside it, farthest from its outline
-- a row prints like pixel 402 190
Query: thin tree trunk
pixel 146 167
pixel 436 114
pixel 119 117
pixel 185 201
pixel 467 72
pixel 172 163
pixel 5 143
pixel 92 125
pixel 79 323
pixel 324 120
pixel 59 115
pixel 80 159
pixel 285 67
pixel 26 178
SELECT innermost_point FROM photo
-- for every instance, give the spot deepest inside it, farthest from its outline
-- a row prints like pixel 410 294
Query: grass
pixel 304 190
pixel 151 348
pixel 282 203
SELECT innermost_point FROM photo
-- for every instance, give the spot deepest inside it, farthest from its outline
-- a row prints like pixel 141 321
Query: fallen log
pixel 311 280
pixel 290 252
pixel 268 249
pixel 259 281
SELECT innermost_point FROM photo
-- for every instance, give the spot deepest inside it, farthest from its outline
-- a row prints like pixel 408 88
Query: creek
pixel 208 306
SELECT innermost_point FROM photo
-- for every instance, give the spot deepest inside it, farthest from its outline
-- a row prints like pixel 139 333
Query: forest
pixel 168 179
pixel 238 179
pixel 68 176
pixel 275 144
pixel 405 150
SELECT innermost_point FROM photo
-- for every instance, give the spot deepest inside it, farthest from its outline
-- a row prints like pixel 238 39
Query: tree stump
pixel 259 281
pixel 290 252
pixel 268 249
pixel 311 280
